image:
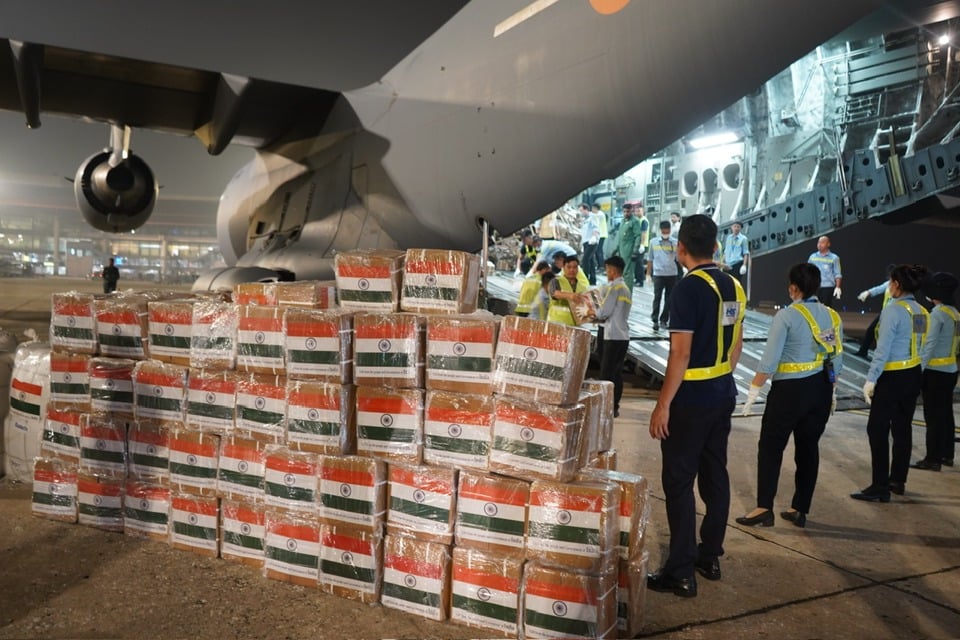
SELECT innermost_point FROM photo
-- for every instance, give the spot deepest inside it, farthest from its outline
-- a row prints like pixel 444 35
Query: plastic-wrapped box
pixel 321 417
pixel 592 403
pixel 460 353
pixel 29 397
pixel 458 429
pixel 213 339
pixel 558 603
pixel 416 577
pixel 212 400
pixel 353 491
pixel 103 444
pixel 262 406
pixel 291 479
pixel 390 424
pixel 369 279
pixel 309 294
pixel 260 339
pixel 100 501
pixel 111 386
pixel 605 460
pixel 319 344
pixel 73 323
pixel 485 590
pixel 440 281
pixel 292 548
pixel 532 441
pixel 422 502
pixel 61 434
pixel 148 451
pixel 241 468
pixel 193 524
pixel 242 531
pixel 256 293
pixel 492 513
pixel 193 462
pixel 170 327
pixel 70 380
pixel 122 326
pixel 146 510
pixel 159 391
pixel 351 562
pixel 632 596
pixel 634 507
pixel 541 361
pixel 605 434
pixel 388 349
pixel 54 490
pixel 575 526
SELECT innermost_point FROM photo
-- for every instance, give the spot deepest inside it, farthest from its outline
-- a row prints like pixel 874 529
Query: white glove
pixel 868 388
pixel 752 396
pixel 517 273
pixel 743 269
pixel 863 295
pixel 836 292
pixel 833 402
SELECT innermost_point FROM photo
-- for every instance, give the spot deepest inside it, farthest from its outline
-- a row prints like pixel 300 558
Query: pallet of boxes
pixel 401 448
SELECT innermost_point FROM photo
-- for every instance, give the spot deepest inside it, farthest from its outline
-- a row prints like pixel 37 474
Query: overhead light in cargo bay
pixel 944 39
pixel 713 140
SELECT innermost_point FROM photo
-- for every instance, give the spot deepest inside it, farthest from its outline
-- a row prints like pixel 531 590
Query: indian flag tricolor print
pixel 158 393
pixel 422 499
pixel 290 479
pixel 385 346
pixel 388 421
pixel 261 407
pixel 211 402
pixel 111 387
pixel 148 450
pixel 243 529
pixel 412 585
pixel 260 338
pixel 73 325
pixel 193 522
pixel 315 418
pixel 348 493
pixel 484 599
pixel 146 509
pixel 531 359
pixel 313 345
pixel 26 399
pixel 564 523
pixel 528 440
pixel 433 284
pixel 120 333
pixel 69 379
pixel 348 559
pixel 460 353
pixel 214 339
pixel 489 512
pixel 456 437
pixel 554 610
pixel 103 445
pixel 193 460
pixel 100 503
pixel 365 286
pixel 171 330
pixel 292 548
pixel 242 467
pixel 54 493
pixel 62 431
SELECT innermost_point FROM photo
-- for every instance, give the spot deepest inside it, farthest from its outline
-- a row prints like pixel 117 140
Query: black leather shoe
pixel 897 488
pixel 872 494
pixel 709 569
pixel 947 462
pixel 798 518
pixel 683 587
pixel 765 519
pixel 926 465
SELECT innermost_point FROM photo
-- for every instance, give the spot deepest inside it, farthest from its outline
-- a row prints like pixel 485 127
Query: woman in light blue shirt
pixel 938 357
pixel 893 384
pixel 803 358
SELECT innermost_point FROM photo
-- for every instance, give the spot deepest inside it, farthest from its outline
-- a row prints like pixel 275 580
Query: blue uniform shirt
pixel 895 334
pixel 735 248
pixel 940 339
pixel 663 252
pixel 829 266
pixel 790 340
pixel 694 308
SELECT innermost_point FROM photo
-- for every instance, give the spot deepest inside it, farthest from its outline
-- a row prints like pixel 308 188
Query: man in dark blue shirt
pixel 692 415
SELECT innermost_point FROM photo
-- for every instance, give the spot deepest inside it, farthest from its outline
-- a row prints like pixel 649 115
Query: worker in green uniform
pixel 629 243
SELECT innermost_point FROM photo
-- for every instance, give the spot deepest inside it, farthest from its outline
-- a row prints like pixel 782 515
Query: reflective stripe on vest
pixel 560 309
pixel 722 365
pixel 832 349
pixel 916 339
pixel 954 344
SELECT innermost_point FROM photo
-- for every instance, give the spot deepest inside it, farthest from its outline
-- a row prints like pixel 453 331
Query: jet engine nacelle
pixel 116 196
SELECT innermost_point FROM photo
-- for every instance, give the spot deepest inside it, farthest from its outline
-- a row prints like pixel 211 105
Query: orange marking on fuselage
pixel 608 7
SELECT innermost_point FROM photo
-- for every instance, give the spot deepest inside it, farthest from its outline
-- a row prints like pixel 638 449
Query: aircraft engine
pixel 115 195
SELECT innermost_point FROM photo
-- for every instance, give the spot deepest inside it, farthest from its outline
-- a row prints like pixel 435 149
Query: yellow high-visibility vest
pixel 722 365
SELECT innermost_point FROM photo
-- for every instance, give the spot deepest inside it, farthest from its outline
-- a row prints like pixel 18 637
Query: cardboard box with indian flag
pixel 351 562
pixel 100 501
pixel 458 430
pixel 416 577
pixel 422 502
pixel 291 479
pixel 390 424
pixel 292 547
pixel 193 523
pixel 241 468
pixel 558 603
pixel 460 353
pixel 159 391
pixel 388 349
pixel 353 491
pixel 632 595
pixel 170 328
pixel 242 531
pixel 634 507
pixel 440 281
pixel 485 590
pixel 321 417
pixel 111 386
pixel 122 326
pixel 319 344
pixel 146 510
pixel 491 513
pixel 262 294
pixel 262 406
pixel 70 380
pixel 260 339
pixel 211 400
pixel 532 441
pixel 148 451
pixel 61 433
pixel 103 444
pixel 194 456
pixel 73 323
pixel 213 338
pixel 308 294
pixel 369 279
pixel 540 361
pixel 54 490
pixel 605 434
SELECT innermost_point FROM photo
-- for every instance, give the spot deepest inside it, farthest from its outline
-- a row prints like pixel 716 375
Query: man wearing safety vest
pixel 692 415
pixel 565 288
pixel 530 287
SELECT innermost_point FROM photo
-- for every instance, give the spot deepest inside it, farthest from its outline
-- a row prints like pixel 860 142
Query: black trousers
pixel 825 295
pixel 611 367
pixel 662 285
pixel 937 389
pixel 696 449
pixel 590 257
pixel 891 414
pixel 799 407
pixel 640 268
pixel 869 337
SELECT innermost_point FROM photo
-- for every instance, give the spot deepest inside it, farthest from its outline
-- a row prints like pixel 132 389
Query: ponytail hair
pixel 909 276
